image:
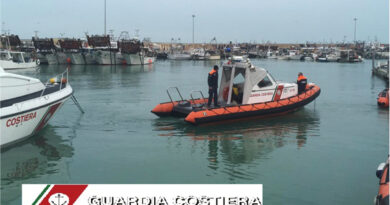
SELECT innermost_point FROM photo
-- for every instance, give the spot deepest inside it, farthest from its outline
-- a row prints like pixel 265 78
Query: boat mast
pixel 105 18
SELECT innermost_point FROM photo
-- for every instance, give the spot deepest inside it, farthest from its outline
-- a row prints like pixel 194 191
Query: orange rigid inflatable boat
pixel 383 98
pixel 256 95
pixel 382 173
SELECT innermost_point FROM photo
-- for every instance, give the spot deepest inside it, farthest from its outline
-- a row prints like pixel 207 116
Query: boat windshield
pixel 265 82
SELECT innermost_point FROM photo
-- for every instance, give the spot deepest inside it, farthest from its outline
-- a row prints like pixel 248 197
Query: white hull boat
pixel 16 60
pixel 295 57
pixel 179 56
pixel 26 104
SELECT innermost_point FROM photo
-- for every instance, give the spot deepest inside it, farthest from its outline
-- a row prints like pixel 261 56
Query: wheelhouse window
pixel 265 82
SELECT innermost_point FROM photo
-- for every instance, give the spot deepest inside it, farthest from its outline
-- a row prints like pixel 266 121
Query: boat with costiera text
pixel 245 91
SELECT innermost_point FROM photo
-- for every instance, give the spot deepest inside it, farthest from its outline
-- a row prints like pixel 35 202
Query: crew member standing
pixel 212 81
pixel 302 82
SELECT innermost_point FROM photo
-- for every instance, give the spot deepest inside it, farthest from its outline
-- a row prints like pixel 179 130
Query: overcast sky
pixel 282 21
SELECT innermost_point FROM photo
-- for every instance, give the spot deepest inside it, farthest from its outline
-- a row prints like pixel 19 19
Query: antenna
pixel 105 18
pixel 3 27
pixel 136 33
pixel 111 33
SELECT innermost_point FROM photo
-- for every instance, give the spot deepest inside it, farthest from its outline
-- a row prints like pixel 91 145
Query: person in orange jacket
pixel 212 81
pixel 302 82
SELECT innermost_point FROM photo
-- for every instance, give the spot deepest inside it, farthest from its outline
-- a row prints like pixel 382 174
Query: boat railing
pixel 200 92
pixel 177 90
pixel 61 75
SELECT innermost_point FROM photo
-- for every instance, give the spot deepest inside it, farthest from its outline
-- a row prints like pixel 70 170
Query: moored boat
pixel 259 95
pixel 16 60
pixel 104 53
pixel 383 98
pixel 382 172
pixel 46 51
pixel 26 104
pixel 72 49
pixel 12 56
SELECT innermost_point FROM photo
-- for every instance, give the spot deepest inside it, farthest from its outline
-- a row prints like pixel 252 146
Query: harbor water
pixel 324 153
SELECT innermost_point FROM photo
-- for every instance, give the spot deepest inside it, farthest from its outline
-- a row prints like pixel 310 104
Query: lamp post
pixel 193 28
pixel 354 35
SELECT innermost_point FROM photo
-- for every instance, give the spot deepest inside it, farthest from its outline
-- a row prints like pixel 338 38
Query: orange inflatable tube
pixel 166 108
pixel 251 110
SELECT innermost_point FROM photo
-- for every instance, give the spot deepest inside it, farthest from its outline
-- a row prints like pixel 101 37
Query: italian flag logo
pixel 59 194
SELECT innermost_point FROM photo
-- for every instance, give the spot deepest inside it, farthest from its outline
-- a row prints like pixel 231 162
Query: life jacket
pixel 301 78
pixel 212 72
pixel 235 91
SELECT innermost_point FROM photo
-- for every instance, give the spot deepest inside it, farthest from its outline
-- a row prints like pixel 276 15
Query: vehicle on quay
pixel 382 172
pixel 245 91
pixel 383 98
pixel 26 104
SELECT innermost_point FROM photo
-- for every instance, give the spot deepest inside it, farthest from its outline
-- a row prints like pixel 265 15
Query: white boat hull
pixel 216 57
pixel 42 58
pixel 136 59
pixel 119 59
pixel 179 56
pixel 24 119
pixel 62 58
pixel 51 59
pixel 9 65
pixel 89 58
pixel 104 57
pixel 77 58
pixel 295 57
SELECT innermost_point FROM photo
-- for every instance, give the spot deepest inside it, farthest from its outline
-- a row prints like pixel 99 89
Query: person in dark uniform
pixel 302 82
pixel 212 81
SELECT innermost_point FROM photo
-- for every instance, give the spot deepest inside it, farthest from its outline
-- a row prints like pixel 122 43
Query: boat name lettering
pixel 261 94
pixel 19 119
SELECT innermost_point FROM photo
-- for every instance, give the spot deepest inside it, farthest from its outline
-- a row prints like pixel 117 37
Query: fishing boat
pixel 26 104
pixel 380 69
pixel 134 53
pixel 72 49
pixel 103 53
pixel 177 52
pixel 256 95
pixel 46 50
pixel 382 172
pixel 383 98
pixel 16 60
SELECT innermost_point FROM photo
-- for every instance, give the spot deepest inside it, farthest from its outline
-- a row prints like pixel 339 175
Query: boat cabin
pixel 244 83
pixel 14 56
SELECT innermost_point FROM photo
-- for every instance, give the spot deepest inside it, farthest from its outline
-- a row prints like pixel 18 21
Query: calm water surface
pixel 325 153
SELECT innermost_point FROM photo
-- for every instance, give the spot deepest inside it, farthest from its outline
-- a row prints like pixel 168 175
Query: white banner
pixel 124 194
